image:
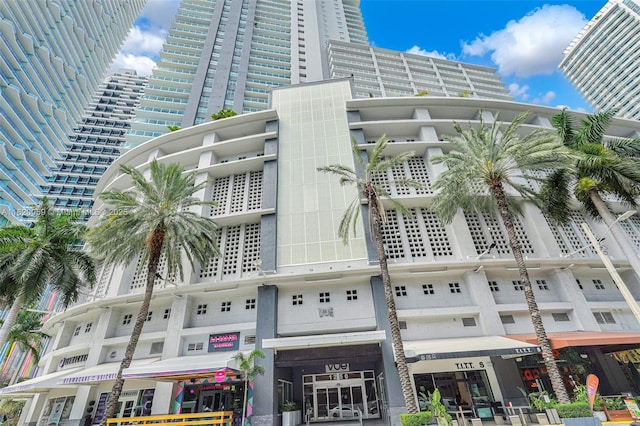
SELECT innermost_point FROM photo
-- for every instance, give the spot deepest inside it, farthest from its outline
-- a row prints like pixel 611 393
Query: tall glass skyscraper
pixel 232 53
pixel 53 55
pixel 603 60
pixel 228 53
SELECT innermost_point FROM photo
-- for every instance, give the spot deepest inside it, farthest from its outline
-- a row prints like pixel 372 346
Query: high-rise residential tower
pixel 228 53
pixel 603 60
pixel 96 141
pixel 53 55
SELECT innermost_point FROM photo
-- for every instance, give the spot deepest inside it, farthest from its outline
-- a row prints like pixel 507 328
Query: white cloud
pixel 518 91
pixel 160 12
pixel 142 64
pixel 142 46
pixel 545 99
pixel 534 44
pixel 417 50
pixel 141 42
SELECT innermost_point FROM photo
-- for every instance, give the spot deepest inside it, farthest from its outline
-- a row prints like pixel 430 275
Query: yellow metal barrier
pixel 223 418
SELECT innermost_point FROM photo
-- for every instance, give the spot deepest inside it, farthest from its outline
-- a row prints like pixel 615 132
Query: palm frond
pixel 594 126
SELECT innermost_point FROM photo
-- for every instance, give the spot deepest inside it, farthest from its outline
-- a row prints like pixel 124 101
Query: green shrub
pixel 417 419
pixel 573 410
pixel 290 406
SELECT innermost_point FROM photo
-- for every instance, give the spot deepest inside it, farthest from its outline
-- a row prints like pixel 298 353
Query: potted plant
pixel 543 404
pixel 291 414
pixel 438 409
pixel 577 414
pixel 416 419
pixel 615 409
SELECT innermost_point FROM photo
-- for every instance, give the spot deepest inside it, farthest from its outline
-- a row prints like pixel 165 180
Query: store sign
pixel 336 368
pixel 224 342
pixel 469 365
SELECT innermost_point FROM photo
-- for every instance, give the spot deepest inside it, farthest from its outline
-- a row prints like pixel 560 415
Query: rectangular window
pixel 560 316
pixel 201 310
pixel 454 288
pixel 126 320
pixel 493 286
pixel 604 318
pixel 507 319
pixel 167 313
pixel 225 307
pixel 598 284
pixel 156 348
pixel 403 325
pixel 88 327
pixel 352 294
pixel 427 288
pixel 469 322
pixel 195 346
pixel 77 331
pixel 401 291
pixel 579 284
pixel 517 285
pixel 296 299
pixel 250 304
pixel 149 316
pixel 542 285
pixel 324 297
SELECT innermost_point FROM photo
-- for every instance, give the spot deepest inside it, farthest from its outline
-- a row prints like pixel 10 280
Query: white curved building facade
pixel 286 283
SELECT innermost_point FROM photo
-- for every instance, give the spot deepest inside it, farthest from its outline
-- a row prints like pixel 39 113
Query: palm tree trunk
pixel 616 231
pixel 155 250
pixel 244 406
pixel 10 320
pixel 396 337
pixel 536 317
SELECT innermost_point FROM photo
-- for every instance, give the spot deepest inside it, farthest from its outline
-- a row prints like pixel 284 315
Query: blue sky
pixel 523 40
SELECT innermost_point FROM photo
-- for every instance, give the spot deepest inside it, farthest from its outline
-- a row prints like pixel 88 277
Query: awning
pixel 186 367
pixel 40 383
pixel 100 373
pixel 324 340
pixel 565 339
pixel 466 347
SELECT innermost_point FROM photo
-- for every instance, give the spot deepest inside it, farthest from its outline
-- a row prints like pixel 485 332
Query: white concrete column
pixel 78 410
pixel 103 330
pixel 568 290
pixel 162 398
pixel 177 322
pixel 476 285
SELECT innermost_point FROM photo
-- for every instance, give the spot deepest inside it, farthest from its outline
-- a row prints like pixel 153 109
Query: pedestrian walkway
pixel 379 422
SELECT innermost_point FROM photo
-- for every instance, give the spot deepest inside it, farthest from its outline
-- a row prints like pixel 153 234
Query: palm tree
pixel 152 220
pixel 26 333
pixel 374 194
pixel 26 336
pixel 484 166
pixel 47 254
pixel 603 168
pixel 250 371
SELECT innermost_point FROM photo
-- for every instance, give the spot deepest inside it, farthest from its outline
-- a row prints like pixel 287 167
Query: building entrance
pixel 340 395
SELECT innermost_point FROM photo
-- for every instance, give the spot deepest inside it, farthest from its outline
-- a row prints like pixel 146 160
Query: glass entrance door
pixel 329 399
pixel 214 400
pixel 339 400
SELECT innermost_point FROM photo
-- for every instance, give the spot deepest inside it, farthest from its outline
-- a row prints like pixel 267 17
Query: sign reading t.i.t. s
pixel 224 342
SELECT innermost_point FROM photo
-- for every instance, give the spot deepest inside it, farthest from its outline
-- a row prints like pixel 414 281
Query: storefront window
pixel 459 390
pixel 573 369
